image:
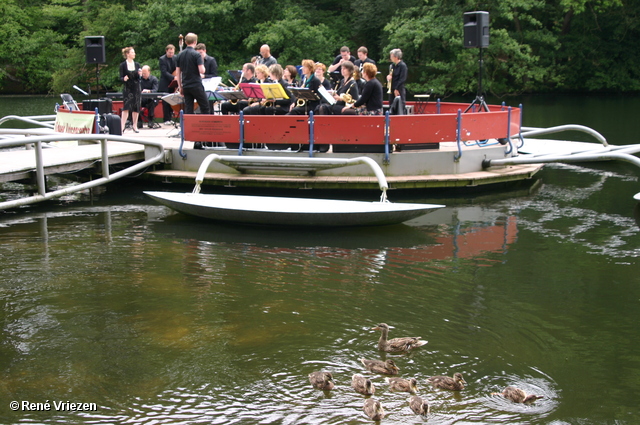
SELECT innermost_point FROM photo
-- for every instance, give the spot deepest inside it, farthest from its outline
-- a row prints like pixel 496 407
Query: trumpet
pixel 301 102
pixel 390 79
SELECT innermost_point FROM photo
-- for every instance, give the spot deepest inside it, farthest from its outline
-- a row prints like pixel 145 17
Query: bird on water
pixel 387 367
pixel 396 345
pixel 373 409
pixel 321 380
pixel 517 395
pixel 447 383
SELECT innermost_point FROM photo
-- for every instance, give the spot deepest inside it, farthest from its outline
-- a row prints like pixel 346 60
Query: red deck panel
pixel 410 129
pixel 276 129
pixel 344 130
pixel 211 128
pixel 484 125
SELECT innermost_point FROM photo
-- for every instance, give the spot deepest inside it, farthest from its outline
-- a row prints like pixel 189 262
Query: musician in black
pixel 398 76
pixel 290 75
pixel 210 63
pixel 149 84
pixel 363 57
pixel 311 82
pixel 231 107
pixel 346 86
pixel 345 55
pixel 320 72
pixel 167 66
pixel 271 107
pixel 130 72
pixel 189 67
pixel 370 101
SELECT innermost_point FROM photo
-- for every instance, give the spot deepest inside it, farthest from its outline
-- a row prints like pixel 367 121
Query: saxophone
pixel 390 79
pixel 346 97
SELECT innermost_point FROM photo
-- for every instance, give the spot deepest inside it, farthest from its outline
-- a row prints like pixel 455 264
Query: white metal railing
pixel 43 136
pixel 235 161
pixel 46 121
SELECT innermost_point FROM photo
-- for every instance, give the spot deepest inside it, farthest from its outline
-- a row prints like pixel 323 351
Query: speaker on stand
pixel 95 53
pixel 476 35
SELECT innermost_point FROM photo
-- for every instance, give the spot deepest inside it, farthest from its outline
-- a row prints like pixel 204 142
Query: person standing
pixel 130 73
pixel 363 57
pixel 167 66
pixel 189 67
pixel 149 84
pixel 210 63
pixel 397 76
pixel 345 55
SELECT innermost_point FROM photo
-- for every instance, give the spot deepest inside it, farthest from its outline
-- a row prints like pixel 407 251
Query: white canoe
pixel 291 211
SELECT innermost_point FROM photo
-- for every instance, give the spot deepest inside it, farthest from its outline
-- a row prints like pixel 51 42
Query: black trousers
pixel 195 93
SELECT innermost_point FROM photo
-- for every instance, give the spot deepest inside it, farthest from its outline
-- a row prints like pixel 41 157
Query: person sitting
pixel 347 86
pixel 234 107
pixel 370 101
pixel 320 71
pixel 270 106
pixel 311 82
pixel 149 84
pixel 290 75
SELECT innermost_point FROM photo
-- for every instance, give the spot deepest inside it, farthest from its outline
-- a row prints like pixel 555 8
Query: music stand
pixel 235 76
pixel 252 90
pixel 231 94
pixel 335 78
pixel 306 94
pixel 303 93
pixel 273 91
pixel 176 100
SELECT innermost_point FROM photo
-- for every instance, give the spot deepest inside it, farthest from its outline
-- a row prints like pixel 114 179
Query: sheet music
pixel 325 94
pixel 211 84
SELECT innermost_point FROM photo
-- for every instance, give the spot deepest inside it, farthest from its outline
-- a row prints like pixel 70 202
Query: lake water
pixel 152 317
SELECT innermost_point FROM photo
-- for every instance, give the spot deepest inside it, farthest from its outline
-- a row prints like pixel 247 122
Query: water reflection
pixel 160 318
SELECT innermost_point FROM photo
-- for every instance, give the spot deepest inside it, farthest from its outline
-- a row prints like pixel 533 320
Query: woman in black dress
pixel 130 74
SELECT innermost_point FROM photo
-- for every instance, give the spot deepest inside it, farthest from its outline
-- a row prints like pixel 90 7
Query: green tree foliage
pixel 536 45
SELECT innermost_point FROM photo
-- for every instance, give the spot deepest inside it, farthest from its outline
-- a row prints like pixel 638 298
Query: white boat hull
pixel 265 210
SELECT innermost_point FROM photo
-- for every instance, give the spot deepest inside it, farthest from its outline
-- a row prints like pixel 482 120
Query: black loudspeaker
pixel 94 49
pixel 105 106
pixel 476 29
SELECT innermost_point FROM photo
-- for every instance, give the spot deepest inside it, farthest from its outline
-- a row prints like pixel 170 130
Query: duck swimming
pixel 362 385
pixel 418 405
pixel 373 409
pixel 396 344
pixel 321 380
pixel 517 395
pixel 447 383
pixel 404 385
pixel 387 367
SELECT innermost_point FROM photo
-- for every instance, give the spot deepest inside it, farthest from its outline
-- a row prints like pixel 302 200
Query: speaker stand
pixel 479 100
pixel 97 81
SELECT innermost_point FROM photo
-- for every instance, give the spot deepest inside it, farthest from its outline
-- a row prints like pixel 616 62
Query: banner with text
pixel 77 122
